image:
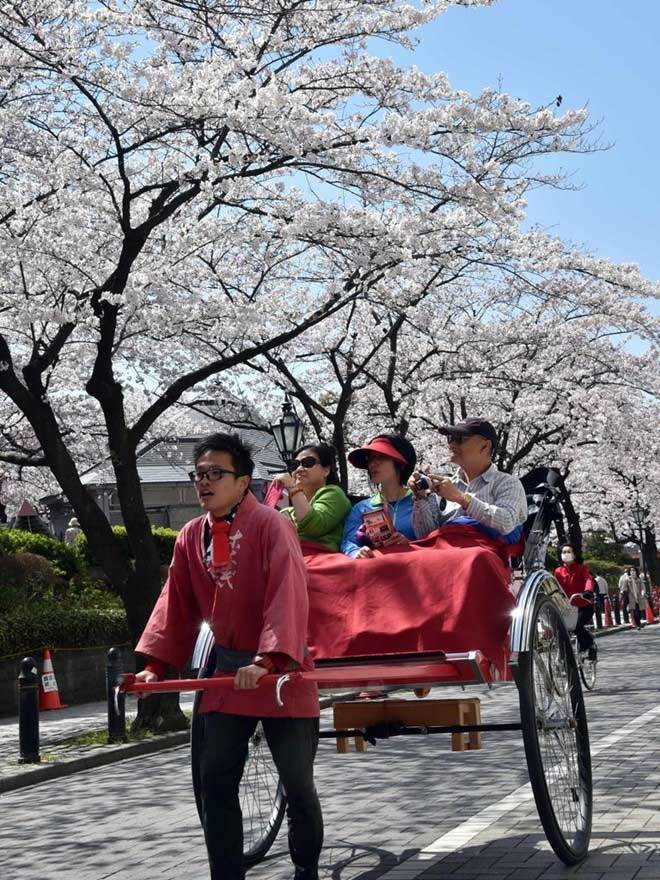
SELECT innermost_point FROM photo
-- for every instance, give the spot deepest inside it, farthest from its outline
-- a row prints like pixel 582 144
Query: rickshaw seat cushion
pixel 448 592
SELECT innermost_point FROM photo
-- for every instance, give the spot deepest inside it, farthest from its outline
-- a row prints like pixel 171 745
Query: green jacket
pixel 324 524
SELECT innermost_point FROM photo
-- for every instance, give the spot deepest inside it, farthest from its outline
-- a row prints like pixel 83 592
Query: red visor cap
pixel 358 457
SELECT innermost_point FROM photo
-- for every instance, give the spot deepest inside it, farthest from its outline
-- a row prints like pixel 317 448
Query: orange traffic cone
pixel 49 695
pixel 649 613
pixel 607 617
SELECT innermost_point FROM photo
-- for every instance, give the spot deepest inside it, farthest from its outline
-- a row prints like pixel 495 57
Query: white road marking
pixel 460 836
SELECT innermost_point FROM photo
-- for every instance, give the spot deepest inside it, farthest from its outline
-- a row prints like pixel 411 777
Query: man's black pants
pixel 293 743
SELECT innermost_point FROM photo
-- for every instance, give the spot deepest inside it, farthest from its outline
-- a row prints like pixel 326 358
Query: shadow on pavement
pixel 524 856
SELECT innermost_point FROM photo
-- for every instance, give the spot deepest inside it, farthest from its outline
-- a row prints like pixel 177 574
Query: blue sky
pixel 596 52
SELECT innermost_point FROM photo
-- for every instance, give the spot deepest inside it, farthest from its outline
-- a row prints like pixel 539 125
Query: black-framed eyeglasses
pixel 307 462
pixel 213 474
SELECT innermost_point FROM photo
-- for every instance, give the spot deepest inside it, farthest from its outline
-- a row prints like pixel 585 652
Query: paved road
pixel 409 808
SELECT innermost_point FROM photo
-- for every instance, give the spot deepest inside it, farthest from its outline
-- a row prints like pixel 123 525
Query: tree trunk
pixel 573 523
pixel 143 584
pixel 650 550
pixel 339 443
pixel 158 712
pixel 138 586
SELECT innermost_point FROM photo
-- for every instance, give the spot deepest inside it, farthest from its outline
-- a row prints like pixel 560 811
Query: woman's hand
pixel 364 553
pixel 287 481
pixel 396 538
pixel 412 485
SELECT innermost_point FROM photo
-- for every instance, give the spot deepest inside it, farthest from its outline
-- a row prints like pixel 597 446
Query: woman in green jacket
pixel 319 505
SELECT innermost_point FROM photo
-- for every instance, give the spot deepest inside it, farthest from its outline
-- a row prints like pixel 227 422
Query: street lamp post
pixel 288 432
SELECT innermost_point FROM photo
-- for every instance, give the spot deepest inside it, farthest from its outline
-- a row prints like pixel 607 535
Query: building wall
pixel 169 505
pixel 80 675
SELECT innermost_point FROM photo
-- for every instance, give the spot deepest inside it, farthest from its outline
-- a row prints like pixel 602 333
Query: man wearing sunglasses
pixel 239 567
pixel 478 493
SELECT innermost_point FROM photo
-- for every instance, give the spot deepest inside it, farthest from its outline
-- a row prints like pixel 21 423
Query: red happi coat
pixel 258 604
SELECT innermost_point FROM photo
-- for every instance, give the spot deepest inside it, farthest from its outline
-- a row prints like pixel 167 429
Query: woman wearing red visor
pixel 390 461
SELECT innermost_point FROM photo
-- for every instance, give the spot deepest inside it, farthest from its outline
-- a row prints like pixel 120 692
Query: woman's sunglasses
pixel 307 462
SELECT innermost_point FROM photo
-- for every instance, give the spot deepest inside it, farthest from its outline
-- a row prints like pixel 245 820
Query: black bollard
pixel 28 712
pixel 616 609
pixel 116 699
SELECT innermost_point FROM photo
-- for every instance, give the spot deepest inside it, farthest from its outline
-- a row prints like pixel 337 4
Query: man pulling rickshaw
pixel 241 568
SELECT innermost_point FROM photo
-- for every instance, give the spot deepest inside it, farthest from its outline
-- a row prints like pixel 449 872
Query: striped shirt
pixel 498 501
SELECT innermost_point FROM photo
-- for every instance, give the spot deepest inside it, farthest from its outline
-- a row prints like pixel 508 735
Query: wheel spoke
pixel 258 792
pixel 261 797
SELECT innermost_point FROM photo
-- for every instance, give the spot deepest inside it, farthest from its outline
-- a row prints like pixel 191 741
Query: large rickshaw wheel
pixel 555 734
pixel 262 796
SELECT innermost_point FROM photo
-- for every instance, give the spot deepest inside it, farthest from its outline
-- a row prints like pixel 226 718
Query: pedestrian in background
pixel 601 595
pixel 72 532
pixel 624 591
pixel 636 598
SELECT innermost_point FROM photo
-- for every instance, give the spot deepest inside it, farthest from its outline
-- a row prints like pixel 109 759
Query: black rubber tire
pixel 587 672
pixel 555 735
pixel 259 774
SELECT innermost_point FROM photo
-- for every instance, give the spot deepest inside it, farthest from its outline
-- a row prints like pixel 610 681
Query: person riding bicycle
pixel 576 581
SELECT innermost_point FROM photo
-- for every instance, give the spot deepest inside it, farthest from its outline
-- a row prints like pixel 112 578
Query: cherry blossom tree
pixel 533 344
pixel 616 478
pixel 188 186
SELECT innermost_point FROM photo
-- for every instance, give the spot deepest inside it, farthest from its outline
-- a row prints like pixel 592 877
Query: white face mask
pixel 567 556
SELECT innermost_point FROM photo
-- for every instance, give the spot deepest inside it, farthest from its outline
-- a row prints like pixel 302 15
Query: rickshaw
pixel 539 660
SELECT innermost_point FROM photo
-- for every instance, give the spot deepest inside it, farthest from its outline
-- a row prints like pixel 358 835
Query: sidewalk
pixel 59 760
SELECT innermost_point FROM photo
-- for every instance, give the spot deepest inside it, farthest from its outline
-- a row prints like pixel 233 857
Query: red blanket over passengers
pixel 449 592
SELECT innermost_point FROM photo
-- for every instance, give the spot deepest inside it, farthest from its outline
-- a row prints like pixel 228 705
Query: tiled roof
pixel 168 461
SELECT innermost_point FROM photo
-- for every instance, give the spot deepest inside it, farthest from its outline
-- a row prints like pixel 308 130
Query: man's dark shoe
pixel 592 653
pixel 306 873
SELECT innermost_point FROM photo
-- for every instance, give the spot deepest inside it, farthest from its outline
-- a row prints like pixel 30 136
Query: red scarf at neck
pixel 220 548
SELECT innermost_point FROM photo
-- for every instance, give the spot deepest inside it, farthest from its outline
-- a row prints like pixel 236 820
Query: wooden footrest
pixel 428 713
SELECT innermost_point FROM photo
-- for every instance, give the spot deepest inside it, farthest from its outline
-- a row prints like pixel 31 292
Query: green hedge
pixel 26 578
pixel 65 559
pixel 164 539
pixel 611 571
pixel 60 625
